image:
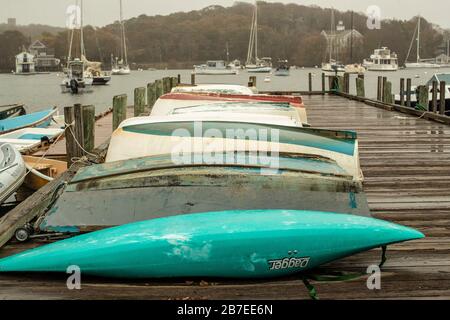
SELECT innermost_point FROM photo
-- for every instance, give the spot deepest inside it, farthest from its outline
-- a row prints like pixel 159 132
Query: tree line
pixel 179 40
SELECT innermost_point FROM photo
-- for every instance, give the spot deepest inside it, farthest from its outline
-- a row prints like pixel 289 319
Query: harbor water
pixel 42 91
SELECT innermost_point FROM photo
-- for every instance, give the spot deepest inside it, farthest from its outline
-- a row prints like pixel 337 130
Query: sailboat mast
pixel 256 31
pixel 82 49
pixel 351 38
pixel 124 43
pixel 332 35
pixel 418 40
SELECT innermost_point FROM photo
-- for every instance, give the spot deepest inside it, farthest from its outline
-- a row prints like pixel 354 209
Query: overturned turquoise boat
pixel 230 244
pixel 41 119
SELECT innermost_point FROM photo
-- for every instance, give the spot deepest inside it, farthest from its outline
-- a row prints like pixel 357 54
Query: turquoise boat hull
pixel 231 244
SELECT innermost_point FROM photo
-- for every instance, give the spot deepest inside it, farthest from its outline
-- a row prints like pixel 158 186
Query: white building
pixel 25 63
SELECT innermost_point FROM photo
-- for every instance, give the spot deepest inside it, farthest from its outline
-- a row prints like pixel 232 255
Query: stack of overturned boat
pixel 214 184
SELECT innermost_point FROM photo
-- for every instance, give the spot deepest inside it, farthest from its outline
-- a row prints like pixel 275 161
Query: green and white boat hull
pixel 231 244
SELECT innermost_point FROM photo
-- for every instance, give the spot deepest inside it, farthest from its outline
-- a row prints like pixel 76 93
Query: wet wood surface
pixel 406 162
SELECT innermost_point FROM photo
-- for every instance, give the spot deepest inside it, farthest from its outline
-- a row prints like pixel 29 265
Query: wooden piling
pixel 69 137
pixel 423 98
pixel 159 90
pixel 179 79
pixel 151 95
pixel 380 88
pixel 89 128
pixel 167 83
pixel 139 101
pixel 340 84
pixel 434 99
pixel 310 82
pixel 346 88
pixel 360 90
pixel 442 98
pixel 193 79
pixel 119 110
pixel 387 92
pixel 323 83
pixel 383 89
pixel 174 83
pixel 408 92
pixel 402 91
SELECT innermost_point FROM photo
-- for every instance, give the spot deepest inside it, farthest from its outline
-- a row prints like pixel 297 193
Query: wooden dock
pixel 406 163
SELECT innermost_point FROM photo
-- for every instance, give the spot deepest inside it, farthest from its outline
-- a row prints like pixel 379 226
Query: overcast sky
pixel 102 12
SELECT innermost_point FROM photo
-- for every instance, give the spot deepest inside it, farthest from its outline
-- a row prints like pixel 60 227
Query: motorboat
pixel 216 67
pixel 76 80
pixel 214 88
pixel 382 60
pixel 283 69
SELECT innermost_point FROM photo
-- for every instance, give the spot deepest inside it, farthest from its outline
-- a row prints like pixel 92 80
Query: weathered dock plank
pixel 406 164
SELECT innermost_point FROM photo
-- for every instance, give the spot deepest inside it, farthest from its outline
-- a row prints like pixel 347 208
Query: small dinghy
pixel 230 244
pixel 41 119
pixel 42 171
pixel 12 111
pixel 12 171
pixel 31 138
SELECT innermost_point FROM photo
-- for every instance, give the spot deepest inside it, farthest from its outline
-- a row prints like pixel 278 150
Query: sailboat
pixel 419 63
pixel 332 65
pixel 255 64
pixel 354 68
pixel 121 67
pixel 76 80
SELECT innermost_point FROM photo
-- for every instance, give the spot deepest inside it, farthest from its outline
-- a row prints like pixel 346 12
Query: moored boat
pixel 214 88
pixel 231 244
pixel 40 119
pixel 258 104
pixel 283 69
pixel 12 111
pixel 217 67
pixel 28 139
pixel 12 171
pixel 120 66
pixel 42 171
pixel 382 60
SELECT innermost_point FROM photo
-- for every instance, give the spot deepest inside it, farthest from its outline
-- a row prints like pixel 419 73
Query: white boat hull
pixel 259 69
pixel 422 65
pixel 29 138
pixel 84 86
pixel 121 72
pixel 12 171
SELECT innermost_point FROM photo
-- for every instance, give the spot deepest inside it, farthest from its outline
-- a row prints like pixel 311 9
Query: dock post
pixel 159 89
pixel 434 103
pixel 70 139
pixel 179 78
pixel 402 91
pixel 174 83
pixel 167 85
pixel 346 82
pixel 360 90
pixel 387 92
pixel 193 79
pixel 139 101
pixel 89 128
pixel 78 128
pixel 408 92
pixel 442 98
pixel 119 110
pixel 380 88
pixel 310 82
pixel 383 89
pixel 341 84
pixel 423 99
pixel 323 82
pixel 151 95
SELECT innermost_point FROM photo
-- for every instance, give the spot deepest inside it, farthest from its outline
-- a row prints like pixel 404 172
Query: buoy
pixel 267 79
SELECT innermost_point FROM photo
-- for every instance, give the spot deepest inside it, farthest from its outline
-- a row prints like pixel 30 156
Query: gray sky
pixel 102 12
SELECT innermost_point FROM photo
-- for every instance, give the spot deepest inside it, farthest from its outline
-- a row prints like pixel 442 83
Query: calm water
pixel 42 91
